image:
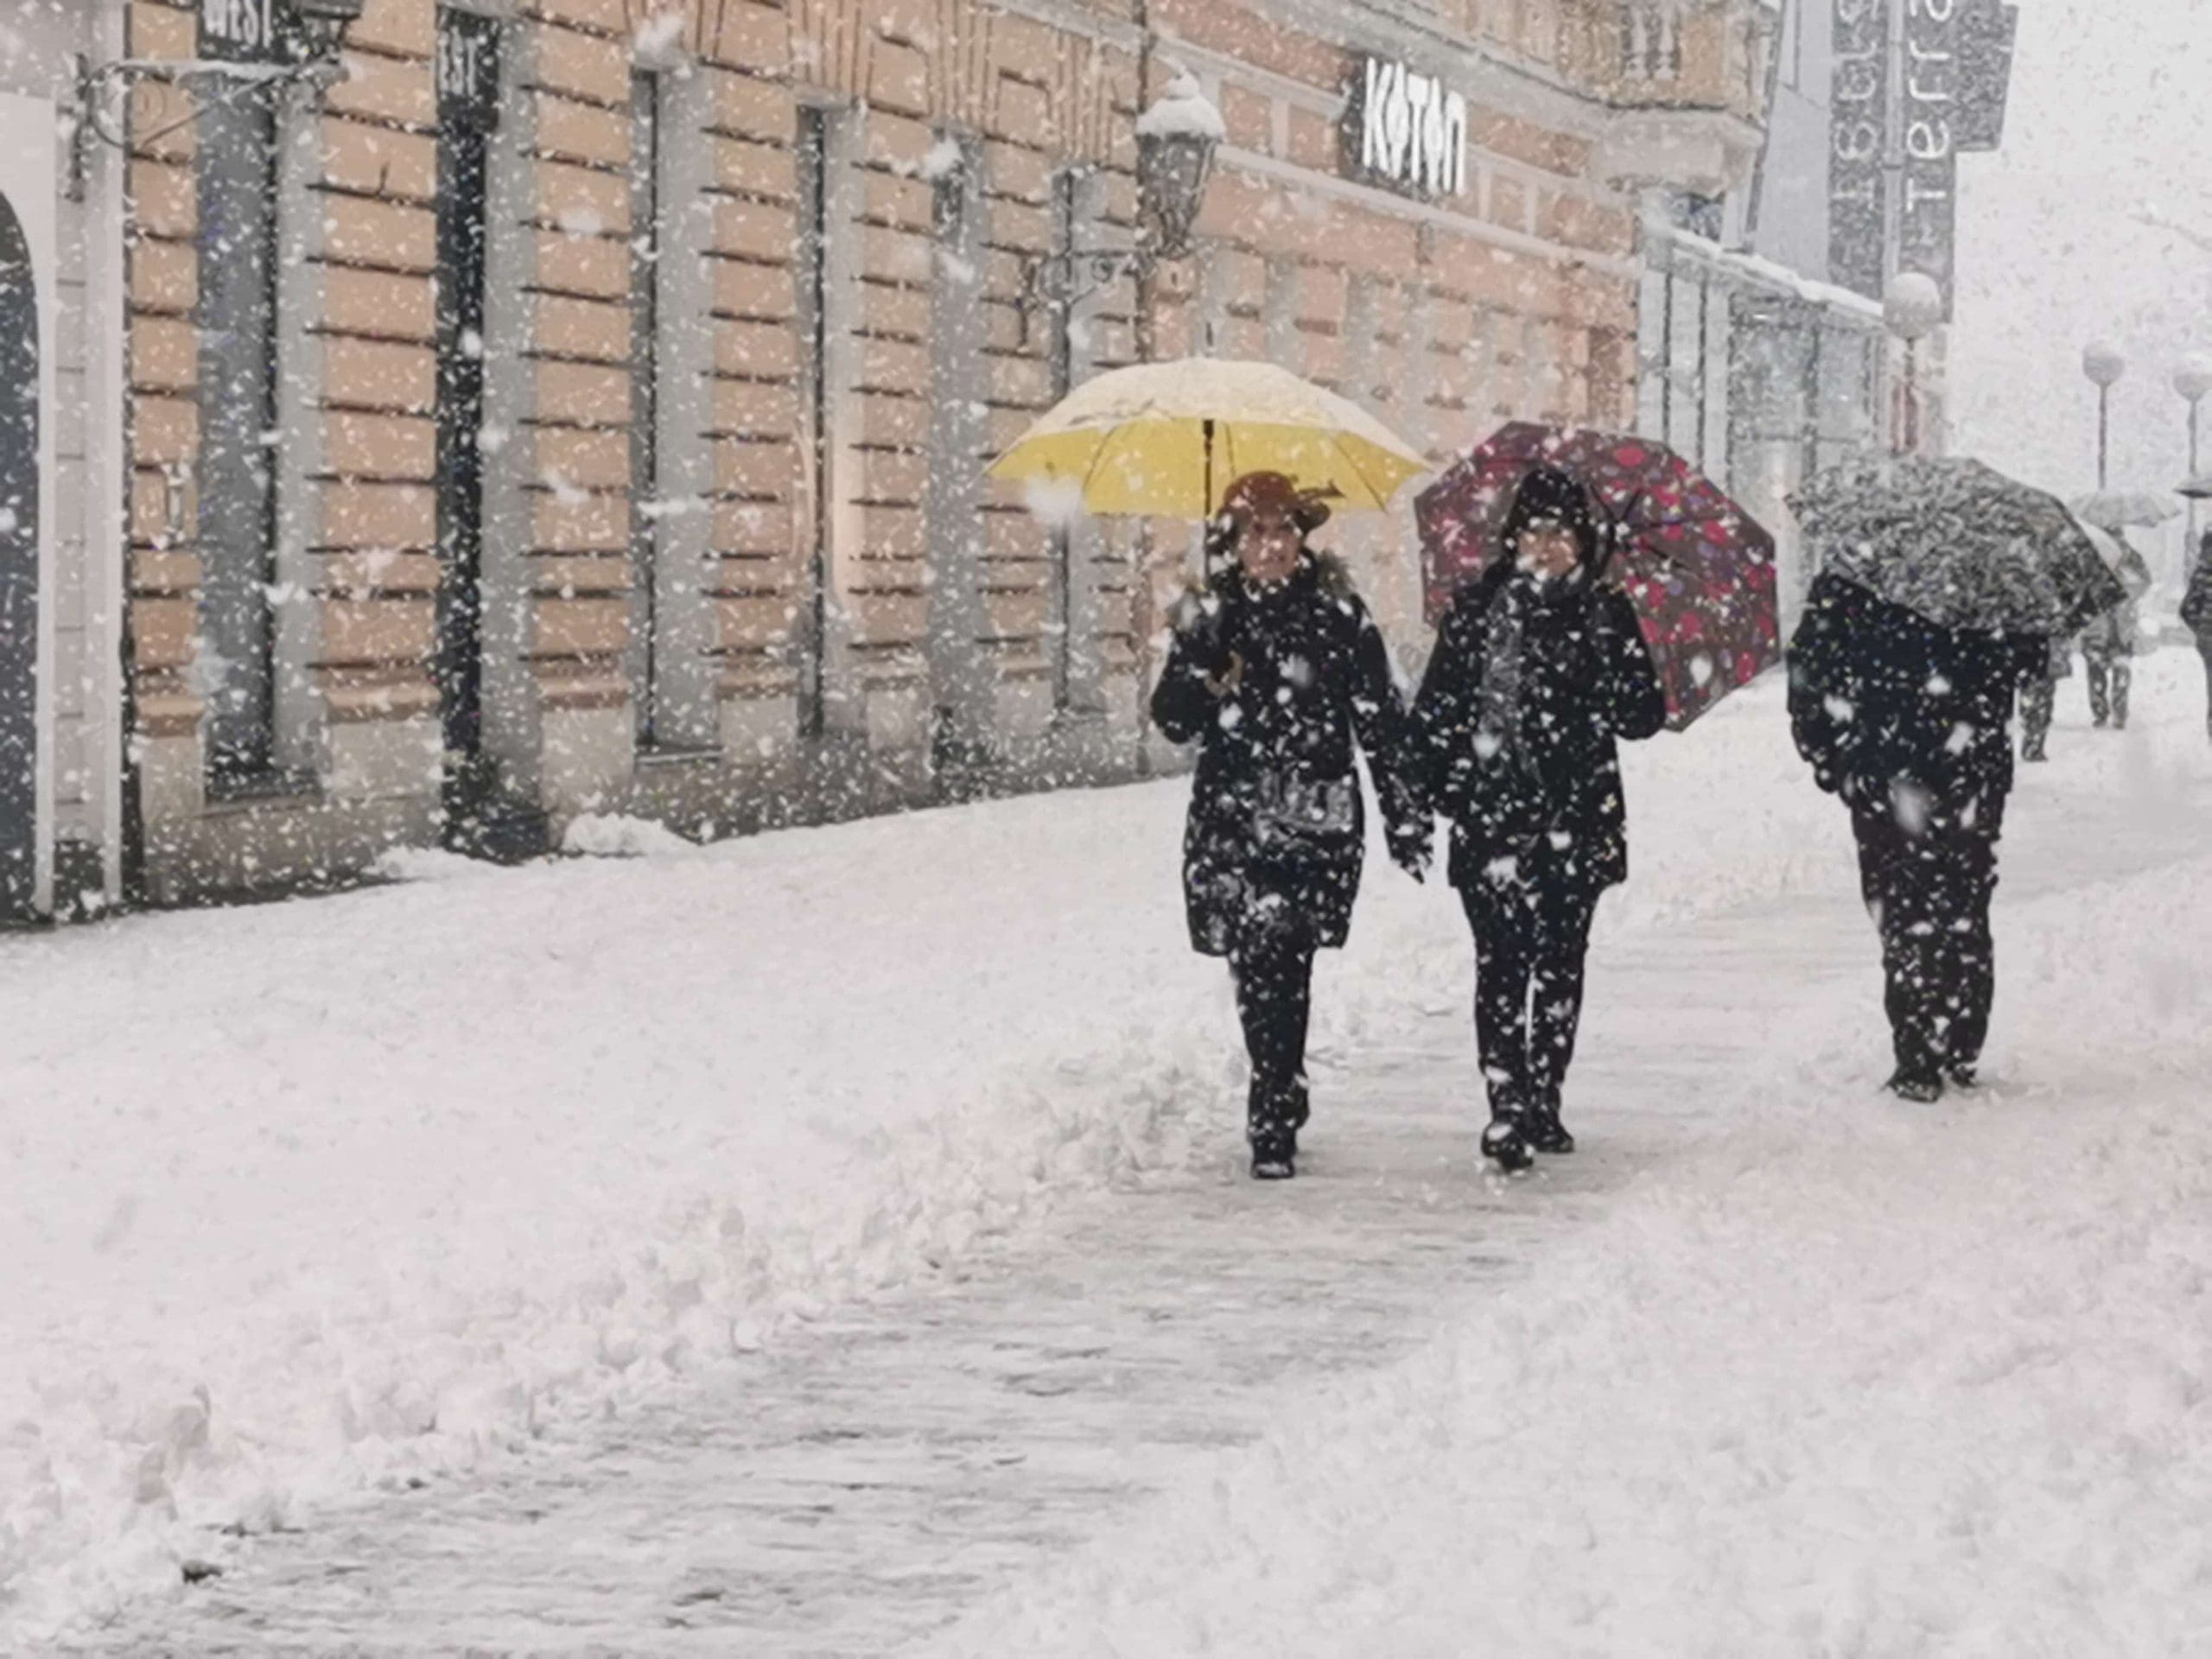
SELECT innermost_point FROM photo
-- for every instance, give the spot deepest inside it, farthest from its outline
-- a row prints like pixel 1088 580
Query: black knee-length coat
pixel 1278 689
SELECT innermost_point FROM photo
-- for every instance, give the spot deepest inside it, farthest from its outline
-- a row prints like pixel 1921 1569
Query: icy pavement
pixel 1051 1365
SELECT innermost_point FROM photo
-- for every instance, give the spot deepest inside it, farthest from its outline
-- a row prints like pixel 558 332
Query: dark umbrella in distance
pixel 1958 543
pixel 2121 510
pixel 1698 570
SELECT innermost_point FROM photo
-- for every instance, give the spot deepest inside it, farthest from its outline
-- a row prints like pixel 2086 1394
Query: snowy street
pixel 839 1243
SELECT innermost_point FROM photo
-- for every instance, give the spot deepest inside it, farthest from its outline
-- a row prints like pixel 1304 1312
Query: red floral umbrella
pixel 1698 570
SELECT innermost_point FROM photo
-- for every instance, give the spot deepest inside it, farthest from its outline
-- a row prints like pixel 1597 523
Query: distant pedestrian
pixel 2108 653
pixel 1276 672
pixel 2197 615
pixel 1906 722
pixel 1537 671
pixel 2039 700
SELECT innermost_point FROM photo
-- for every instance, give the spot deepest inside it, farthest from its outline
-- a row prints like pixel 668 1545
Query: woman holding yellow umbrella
pixel 1275 670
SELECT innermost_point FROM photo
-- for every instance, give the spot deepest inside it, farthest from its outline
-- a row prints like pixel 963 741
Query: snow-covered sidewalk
pixel 348 1191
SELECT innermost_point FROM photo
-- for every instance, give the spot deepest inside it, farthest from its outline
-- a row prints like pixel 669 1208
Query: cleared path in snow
pixel 867 1480
pixel 878 1473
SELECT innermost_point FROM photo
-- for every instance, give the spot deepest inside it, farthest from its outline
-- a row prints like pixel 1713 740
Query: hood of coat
pixel 1547 496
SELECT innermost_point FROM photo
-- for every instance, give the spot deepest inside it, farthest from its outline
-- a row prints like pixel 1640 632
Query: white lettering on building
pixel 248 25
pixel 1413 131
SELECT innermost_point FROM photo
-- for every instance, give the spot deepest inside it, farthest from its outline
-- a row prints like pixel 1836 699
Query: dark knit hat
pixel 1547 496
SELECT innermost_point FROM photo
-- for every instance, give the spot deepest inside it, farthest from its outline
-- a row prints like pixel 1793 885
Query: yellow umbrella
pixel 1169 438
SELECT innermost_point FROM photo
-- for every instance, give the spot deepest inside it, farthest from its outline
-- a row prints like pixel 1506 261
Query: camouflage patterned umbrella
pixel 1697 568
pixel 1957 542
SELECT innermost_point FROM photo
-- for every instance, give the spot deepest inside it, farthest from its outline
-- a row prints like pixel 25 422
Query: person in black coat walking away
pixel 1907 723
pixel 2107 654
pixel 2039 700
pixel 2196 615
pixel 1537 671
pixel 1276 670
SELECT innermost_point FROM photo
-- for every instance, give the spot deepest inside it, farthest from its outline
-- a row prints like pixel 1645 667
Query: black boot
pixel 1274 1116
pixel 1505 1143
pixel 1274 1154
pixel 1542 1129
pixel 1921 1088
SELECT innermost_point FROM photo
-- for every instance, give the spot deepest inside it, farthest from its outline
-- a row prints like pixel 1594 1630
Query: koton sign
pixel 1406 131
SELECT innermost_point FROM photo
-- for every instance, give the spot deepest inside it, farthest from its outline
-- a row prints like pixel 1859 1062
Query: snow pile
pixel 1184 109
pixel 316 1195
pixel 597 834
pixel 423 864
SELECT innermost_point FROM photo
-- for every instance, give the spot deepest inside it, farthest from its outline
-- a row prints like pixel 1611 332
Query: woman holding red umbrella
pixel 1538 671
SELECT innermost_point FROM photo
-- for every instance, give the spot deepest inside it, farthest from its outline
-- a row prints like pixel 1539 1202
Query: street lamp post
pixel 1912 309
pixel 2193 380
pixel 2105 367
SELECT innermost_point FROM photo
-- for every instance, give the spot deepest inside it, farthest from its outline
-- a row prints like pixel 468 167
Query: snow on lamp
pixel 2106 368
pixel 1177 138
pixel 1912 306
pixel 2104 365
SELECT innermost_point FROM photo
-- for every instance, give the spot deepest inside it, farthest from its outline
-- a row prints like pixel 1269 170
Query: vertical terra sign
pixel 1859 130
pixel 1927 207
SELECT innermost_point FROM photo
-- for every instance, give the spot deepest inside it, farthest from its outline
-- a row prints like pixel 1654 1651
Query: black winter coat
pixel 1276 837
pixel 1560 822
pixel 2197 600
pixel 1881 697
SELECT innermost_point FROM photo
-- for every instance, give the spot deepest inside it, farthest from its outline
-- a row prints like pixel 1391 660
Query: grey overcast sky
pixel 2111 116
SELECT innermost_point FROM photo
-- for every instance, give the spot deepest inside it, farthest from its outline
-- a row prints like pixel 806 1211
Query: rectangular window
pixel 1651 41
pixel 813 601
pixel 952 491
pixel 1059 624
pixel 647 113
pixel 239 272
pixel 468 113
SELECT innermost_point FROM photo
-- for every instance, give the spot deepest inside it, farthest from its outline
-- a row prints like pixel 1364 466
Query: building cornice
pixel 1072 19
pixel 1398 206
pixel 1500 80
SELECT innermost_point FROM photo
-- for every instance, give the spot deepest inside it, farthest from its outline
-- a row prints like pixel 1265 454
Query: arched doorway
pixel 19 570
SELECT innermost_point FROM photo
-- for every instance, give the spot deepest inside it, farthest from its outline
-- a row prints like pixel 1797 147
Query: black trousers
pixel 1531 941
pixel 2038 697
pixel 2204 650
pixel 2110 679
pixel 1928 894
pixel 1274 971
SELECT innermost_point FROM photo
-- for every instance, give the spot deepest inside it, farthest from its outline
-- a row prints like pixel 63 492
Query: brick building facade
pixel 581 405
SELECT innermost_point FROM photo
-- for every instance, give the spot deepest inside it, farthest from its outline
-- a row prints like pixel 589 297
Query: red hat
pixel 1274 492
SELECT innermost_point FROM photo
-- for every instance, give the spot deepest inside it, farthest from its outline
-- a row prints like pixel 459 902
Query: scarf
pixel 1500 735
